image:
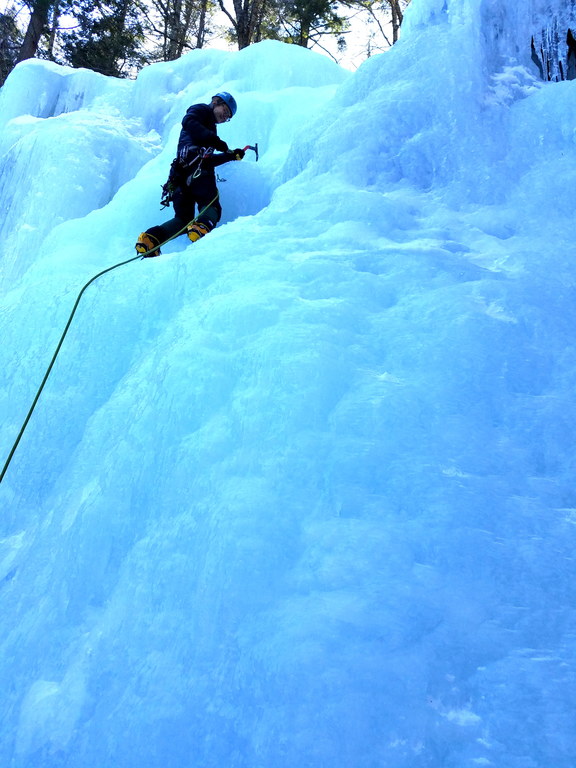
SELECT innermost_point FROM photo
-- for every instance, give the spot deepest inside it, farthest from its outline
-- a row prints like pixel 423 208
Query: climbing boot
pixel 147 243
pixel 197 230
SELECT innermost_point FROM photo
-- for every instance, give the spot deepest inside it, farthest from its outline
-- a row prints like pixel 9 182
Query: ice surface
pixel 302 493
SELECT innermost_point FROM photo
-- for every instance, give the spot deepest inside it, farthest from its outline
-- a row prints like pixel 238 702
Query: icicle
pixel 553 40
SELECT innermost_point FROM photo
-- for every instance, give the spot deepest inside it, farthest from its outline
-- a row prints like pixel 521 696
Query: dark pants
pixel 202 193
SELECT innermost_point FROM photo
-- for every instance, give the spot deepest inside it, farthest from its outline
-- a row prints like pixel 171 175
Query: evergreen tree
pixel 10 43
pixel 108 38
pixel 304 22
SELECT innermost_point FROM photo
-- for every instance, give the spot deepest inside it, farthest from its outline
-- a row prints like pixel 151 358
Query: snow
pixel 301 493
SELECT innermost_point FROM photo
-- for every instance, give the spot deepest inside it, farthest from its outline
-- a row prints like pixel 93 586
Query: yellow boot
pixel 197 230
pixel 147 243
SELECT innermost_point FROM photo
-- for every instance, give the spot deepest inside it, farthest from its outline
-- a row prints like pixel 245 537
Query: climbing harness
pixel 69 323
pixel 187 167
pixel 180 171
pixel 206 153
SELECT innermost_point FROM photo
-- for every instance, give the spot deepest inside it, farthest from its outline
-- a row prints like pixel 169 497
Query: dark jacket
pixel 199 130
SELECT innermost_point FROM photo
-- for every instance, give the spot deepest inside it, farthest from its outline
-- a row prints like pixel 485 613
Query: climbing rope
pixel 69 323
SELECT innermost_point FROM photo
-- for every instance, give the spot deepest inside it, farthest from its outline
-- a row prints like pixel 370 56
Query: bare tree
pixel 397 14
pixel 387 15
pixel 201 28
pixel 246 17
pixel 177 25
pixel 36 27
pixel 53 30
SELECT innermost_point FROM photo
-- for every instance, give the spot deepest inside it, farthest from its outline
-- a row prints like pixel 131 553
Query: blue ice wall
pixel 302 493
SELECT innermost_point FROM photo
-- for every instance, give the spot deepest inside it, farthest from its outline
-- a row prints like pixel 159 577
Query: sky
pixel 300 493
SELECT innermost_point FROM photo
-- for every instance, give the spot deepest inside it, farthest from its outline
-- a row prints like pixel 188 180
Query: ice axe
pixel 254 149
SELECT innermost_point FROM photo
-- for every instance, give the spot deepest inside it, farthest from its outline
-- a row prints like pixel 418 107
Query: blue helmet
pixel 228 99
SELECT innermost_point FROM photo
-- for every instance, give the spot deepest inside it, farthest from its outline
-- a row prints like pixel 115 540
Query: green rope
pixel 69 323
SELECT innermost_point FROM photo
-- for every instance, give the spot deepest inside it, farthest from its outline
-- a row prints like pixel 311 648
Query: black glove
pixel 220 145
pixel 238 154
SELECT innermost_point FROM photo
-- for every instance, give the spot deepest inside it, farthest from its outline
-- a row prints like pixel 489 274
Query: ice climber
pixel 192 181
